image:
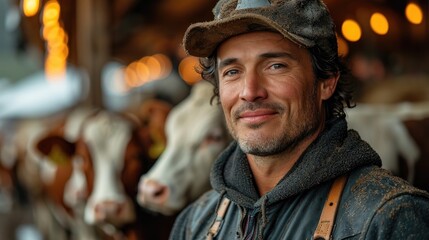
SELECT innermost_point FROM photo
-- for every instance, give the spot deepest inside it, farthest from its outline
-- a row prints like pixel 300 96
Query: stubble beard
pixel 290 136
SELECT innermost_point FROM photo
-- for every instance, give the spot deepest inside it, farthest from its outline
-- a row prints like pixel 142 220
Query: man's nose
pixel 253 87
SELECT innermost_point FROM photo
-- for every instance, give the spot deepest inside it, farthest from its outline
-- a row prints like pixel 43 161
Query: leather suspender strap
pixel 327 218
pixel 326 221
pixel 214 229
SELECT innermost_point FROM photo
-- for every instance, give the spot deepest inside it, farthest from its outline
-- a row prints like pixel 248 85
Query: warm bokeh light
pixel 153 66
pixel 143 72
pixel 58 50
pixel 187 70
pixel 379 23
pixel 343 48
pixel 166 65
pixel 51 31
pixel 146 69
pixel 56 39
pixel 55 69
pixel 351 30
pixel 414 13
pixel 131 77
pixel 51 12
pixel 136 74
pixel 55 60
pixel 30 7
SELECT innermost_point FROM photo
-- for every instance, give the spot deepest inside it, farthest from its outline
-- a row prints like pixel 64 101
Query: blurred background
pixel 110 53
pixel 56 55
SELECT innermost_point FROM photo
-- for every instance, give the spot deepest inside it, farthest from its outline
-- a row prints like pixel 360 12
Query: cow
pixel 33 180
pixel 196 134
pixel 44 176
pixel 393 131
pixel 90 174
pixel 389 115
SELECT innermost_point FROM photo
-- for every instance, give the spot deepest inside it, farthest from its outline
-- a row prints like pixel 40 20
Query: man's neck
pixel 269 170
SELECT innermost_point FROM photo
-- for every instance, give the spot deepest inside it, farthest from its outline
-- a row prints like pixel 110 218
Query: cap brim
pixel 201 39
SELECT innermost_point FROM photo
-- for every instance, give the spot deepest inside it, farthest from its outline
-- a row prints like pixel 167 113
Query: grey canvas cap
pixel 306 22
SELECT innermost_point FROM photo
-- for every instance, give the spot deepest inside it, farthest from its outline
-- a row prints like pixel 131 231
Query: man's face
pixel 268 92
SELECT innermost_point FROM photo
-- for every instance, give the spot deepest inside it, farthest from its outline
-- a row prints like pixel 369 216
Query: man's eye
pixel 278 66
pixel 230 72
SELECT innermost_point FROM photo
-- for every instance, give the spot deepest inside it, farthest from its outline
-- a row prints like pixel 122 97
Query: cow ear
pixel 56 148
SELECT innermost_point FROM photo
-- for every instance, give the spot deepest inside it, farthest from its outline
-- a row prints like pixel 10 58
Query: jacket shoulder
pixel 377 185
pixel 376 203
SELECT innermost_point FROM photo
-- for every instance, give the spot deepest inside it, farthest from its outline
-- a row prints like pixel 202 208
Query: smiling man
pixel 294 171
pixel 271 101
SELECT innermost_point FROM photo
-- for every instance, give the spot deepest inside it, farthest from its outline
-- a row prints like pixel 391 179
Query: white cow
pixel 196 134
pixel 382 126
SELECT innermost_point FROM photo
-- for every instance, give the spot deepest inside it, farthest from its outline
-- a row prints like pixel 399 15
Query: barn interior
pixel 56 55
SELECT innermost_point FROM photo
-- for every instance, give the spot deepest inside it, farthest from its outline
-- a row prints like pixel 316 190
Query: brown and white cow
pixel 196 134
pixel 35 179
pixel 104 163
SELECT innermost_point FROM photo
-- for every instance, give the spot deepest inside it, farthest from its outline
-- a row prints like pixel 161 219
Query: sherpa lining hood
pixel 335 152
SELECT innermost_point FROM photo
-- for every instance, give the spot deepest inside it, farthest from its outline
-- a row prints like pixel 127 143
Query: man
pixel 294 171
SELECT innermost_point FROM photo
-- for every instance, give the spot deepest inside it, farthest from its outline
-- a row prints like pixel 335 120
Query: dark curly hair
pixel 325 65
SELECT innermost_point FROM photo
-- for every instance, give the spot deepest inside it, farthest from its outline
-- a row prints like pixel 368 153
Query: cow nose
pixel 75 198
pixel 115 212
pixel 107 210
pixel 152 192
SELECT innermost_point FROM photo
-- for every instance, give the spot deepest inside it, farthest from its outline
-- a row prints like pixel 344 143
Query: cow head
pixel 104 165
pixel 196 134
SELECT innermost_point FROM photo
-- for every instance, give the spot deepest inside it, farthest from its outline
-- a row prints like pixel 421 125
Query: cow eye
pixel 213 137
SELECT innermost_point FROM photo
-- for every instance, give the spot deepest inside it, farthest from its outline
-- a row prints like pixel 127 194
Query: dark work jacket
pixel 374 204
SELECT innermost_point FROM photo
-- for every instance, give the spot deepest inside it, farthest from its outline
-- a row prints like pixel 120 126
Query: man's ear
pixel 327 86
